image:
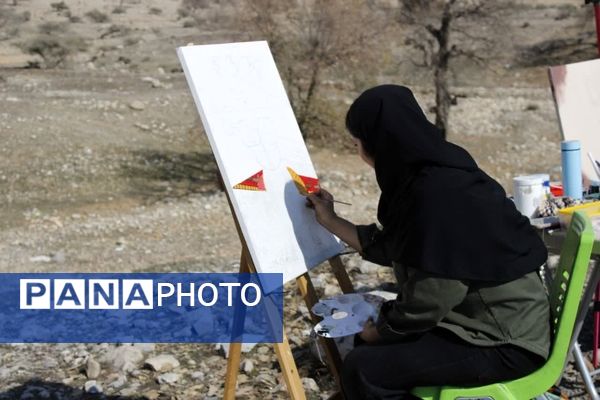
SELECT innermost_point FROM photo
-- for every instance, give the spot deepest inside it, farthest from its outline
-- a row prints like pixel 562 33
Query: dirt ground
pixel 104 167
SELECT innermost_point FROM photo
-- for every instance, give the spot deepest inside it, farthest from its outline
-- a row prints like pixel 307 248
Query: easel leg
pixel 233 365
pixel 235 349
pixel 282 351
pixel 289 370
pixel 334 360
pixel 339 270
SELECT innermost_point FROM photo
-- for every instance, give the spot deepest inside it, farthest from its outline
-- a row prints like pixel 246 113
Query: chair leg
pixel 585 374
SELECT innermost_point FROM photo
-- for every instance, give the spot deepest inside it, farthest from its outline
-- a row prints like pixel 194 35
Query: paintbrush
pixel 595 164
pixel 318 193
pixel 337 201
pixel 326 199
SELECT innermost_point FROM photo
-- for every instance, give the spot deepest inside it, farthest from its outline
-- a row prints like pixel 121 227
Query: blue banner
pixel 141 307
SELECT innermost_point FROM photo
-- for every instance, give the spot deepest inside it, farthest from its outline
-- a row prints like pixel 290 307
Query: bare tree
pixel 440 30
pixel 313 40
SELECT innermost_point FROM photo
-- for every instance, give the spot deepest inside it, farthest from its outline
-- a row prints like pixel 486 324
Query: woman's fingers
pixel 313 200
pixel 325 194
pixel 310 201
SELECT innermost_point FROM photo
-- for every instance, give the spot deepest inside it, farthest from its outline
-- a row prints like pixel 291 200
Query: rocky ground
pixel 104 167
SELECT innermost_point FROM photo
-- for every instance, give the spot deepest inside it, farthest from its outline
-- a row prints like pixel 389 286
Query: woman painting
pixel 471 308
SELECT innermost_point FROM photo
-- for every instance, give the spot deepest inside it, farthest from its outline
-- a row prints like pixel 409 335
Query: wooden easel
pixel 283 349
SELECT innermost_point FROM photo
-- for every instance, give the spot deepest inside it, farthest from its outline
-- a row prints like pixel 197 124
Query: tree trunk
pixel 442 93
pixel 442 98
pixel 308 99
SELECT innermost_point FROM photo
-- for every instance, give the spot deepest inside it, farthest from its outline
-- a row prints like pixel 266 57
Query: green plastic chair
pixel 565 295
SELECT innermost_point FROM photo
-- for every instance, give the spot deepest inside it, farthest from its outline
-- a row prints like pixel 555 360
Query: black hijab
pixel 439 211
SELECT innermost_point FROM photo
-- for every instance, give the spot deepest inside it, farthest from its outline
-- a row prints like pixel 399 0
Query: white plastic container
pixel 529 192
pixel 546 181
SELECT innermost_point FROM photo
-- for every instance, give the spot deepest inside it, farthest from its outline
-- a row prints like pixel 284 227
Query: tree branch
pixel 456 52
pixel 435 32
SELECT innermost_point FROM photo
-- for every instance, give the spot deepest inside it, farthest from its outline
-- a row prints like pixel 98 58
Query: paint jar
pixel 545 182
pixel 571 168
pixel 529 192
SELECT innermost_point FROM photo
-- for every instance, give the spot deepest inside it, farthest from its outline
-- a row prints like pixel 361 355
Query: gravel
pixel 104 168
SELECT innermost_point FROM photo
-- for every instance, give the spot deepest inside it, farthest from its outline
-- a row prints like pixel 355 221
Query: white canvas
pixel 251 127
pixel 576 90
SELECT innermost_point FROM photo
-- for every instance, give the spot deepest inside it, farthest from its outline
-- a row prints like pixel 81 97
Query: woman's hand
pixel 369 333
pixel 322 203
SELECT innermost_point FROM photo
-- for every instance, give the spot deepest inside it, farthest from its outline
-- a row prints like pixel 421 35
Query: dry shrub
pixel 53 28
pixel 195 4
pixel 54 50
pixel 116 31
pixel 59 6
pixel 325 50
pixel 10 22
pixel 54 43
pixel 131 41
pixel 557 51
pixel 97 16
pixel 182 13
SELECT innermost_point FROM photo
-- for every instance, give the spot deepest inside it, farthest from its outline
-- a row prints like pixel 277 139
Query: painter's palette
pixel 346 314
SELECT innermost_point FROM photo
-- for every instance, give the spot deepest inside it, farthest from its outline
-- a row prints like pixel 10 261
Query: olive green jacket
pixel 481 313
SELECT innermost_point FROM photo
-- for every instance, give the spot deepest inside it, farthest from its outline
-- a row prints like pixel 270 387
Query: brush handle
pixel 594 164
pixel 333 201
pixel 337 201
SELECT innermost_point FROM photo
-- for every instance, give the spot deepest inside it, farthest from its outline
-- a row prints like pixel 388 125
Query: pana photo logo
pixel 127 294
pixel 141 307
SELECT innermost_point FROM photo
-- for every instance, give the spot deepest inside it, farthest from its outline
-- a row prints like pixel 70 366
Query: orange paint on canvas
pixel 255 182
pixel 305 184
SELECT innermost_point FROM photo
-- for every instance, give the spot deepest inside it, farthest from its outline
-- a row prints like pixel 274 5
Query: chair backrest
pixel 567 285
pixel 565 295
